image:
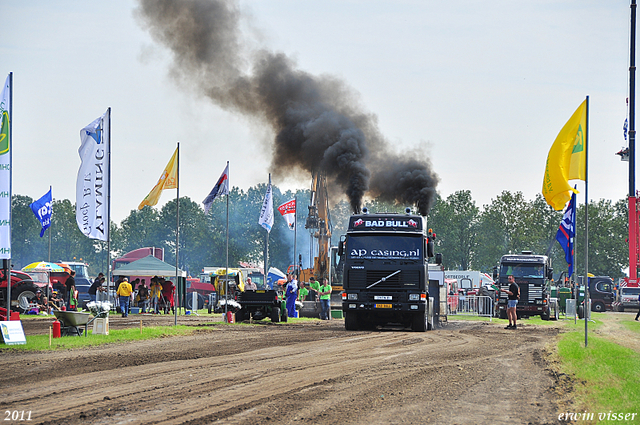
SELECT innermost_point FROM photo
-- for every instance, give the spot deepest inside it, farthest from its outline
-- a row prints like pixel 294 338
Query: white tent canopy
pixel 148 266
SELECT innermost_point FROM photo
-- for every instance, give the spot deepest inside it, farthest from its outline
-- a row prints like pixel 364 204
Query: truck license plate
pixel 383 305
pixel 383 298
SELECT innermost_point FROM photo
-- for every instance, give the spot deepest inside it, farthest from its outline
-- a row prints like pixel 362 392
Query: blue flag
pixel 42 209
pixel 567 232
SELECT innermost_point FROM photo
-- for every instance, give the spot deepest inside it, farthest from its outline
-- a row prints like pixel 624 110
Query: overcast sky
pixel 484 86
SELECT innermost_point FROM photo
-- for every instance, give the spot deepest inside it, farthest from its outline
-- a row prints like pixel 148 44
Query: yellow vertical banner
pixel 566 160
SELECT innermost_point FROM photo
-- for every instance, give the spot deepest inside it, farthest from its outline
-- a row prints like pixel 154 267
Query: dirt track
pixel 311 372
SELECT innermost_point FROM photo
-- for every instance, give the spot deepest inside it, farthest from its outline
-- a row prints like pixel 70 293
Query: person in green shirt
pixel 302 293
pixel 325 300
pixel 314 286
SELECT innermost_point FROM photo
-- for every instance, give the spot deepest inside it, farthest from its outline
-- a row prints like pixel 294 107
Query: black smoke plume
pixel 317 122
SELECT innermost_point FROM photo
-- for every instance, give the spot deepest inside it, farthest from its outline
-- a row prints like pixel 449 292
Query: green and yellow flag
pixel 168 180
pixel 566 160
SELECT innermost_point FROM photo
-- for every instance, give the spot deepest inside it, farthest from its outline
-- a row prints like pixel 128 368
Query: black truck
pixel 261 304
pixel 534 276
pixel 386 275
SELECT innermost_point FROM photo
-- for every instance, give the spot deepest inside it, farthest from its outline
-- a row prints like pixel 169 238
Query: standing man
pixel 70 283
pixel 96 286
pixel 325 300
pixel 291 293
pixel 156 291
pixel 638 313
pixel 514 294
pixel 124 292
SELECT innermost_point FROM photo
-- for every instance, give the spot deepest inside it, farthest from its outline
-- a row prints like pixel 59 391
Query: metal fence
pixel 470 305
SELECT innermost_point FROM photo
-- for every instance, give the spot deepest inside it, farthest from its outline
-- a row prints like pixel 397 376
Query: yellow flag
pixel 566 160
pixel 168 180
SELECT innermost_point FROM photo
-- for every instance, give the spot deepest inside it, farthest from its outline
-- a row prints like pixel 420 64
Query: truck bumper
pixel 383 308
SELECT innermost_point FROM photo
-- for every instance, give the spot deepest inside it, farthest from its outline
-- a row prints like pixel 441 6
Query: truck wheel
pixel 598 307
pixel 24 293
pixel 275 314
pixel 581 312
pixel 240 315
pixel 621 308
pixel 350 321
pixel 502 314
pixel 420 322
pixel 546 314
pixel 284 316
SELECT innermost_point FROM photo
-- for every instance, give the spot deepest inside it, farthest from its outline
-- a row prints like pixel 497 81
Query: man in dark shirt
pixel 71 282
pixel 513 295
pixel 96 286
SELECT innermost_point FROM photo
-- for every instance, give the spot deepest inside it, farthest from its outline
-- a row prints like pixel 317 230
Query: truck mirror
pixel 340 249
pixel 495 273
pixel 438 258
pixel 550 273
pixel 430 249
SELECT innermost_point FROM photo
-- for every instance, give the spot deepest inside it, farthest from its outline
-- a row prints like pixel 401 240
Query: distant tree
pixel 608 230
pixel 68 242
pixel 193 237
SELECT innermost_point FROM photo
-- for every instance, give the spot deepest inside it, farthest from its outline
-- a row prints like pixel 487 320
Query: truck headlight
pixel 352 297
pixel 414 297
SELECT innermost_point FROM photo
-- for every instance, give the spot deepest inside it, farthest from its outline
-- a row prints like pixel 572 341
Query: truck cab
pixel 533 275
pixel 601 292
pixel 386 277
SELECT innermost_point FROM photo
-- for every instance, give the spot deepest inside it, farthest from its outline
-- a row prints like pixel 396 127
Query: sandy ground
pixel 311 372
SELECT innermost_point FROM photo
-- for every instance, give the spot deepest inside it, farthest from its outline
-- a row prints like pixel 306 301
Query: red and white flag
pixel 288 211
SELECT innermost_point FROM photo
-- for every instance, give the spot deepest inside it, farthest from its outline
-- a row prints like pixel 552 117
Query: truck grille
pixel 363 278
pixel 534 292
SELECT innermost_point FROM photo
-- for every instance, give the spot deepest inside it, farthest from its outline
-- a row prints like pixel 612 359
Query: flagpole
pixel 226 267
pixel 49 259
pixel 109 208
pixel 175 293
pixel 266 249
pixel 6 263
pixel 586 230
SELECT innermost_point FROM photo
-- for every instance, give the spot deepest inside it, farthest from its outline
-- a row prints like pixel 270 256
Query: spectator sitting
pixel 250 286
pixel 142 297
pixel 38 298
pixel 45 307
pixel 55 300
pixel 303 292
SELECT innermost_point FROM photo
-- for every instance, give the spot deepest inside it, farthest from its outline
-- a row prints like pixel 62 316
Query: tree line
pixel 469 237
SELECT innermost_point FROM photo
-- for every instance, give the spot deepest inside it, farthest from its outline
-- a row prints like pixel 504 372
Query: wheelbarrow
pixel 71 321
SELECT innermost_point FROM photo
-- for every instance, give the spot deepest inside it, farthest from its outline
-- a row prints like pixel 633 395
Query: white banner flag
pixel 266 214
pixel 92 186
pixel 5 170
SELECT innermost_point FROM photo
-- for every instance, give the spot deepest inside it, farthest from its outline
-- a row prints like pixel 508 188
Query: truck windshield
pixel 385 247
pixel 522 270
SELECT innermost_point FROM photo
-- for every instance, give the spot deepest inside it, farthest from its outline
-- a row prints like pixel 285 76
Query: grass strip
pixel 606 377
pixel 41 342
